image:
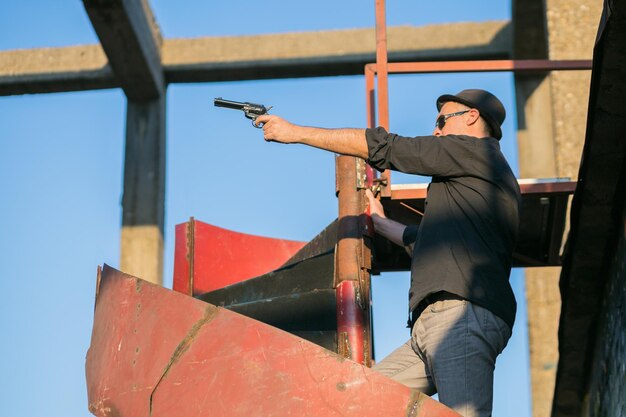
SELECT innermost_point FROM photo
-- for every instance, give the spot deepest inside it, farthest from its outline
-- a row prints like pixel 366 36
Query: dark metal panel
pixel 297 298
pixel 305 276
pixel 325 241
pixel 314 310
pixel 324 338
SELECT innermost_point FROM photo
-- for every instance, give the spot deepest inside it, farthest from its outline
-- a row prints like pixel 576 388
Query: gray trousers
pixel 452 352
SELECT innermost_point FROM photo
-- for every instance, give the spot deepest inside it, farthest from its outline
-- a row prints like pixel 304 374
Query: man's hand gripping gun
pixel 250 110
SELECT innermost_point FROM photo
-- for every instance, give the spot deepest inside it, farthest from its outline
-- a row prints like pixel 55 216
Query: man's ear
pixel 473 116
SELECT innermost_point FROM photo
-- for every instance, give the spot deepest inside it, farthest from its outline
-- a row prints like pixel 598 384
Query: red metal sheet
pixel 156 352
pixel 208 257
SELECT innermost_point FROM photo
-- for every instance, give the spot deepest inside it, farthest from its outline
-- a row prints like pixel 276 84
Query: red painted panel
pixel 219 257
pixel 160 353
pixel 129 345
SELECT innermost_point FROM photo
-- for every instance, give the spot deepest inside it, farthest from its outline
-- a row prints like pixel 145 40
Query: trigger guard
pixel 259 126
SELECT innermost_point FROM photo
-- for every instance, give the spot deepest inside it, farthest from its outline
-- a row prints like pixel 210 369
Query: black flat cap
pixel 490 108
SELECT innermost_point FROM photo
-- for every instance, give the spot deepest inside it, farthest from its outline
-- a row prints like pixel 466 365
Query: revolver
pixel 250 110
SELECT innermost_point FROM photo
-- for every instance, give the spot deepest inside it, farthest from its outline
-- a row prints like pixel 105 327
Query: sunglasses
pixel 442 119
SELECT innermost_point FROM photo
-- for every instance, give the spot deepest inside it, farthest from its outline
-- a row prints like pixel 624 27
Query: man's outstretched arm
pixel 343 141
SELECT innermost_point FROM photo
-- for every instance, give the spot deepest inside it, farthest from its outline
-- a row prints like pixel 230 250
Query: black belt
pixel 428 300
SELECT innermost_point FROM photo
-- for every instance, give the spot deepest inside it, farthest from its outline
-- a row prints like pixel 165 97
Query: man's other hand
pixel 376 208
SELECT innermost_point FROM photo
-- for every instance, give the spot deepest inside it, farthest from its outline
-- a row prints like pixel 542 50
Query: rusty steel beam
pixel 505 65
pixel 382 80
pixel 352 279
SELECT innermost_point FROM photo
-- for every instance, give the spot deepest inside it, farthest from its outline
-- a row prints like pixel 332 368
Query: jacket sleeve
pixel 443 156
pixel 409 236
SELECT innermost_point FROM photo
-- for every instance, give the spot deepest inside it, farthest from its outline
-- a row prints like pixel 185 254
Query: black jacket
pixel 465 241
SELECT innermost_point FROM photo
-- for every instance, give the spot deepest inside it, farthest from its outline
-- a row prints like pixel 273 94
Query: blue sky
pixel 61 161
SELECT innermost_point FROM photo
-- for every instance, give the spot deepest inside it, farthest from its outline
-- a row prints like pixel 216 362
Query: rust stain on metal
pixel 361 176
pixel 209 313
pixel 103 409
pixel 343 345
pixel 335 275
pixel 98 279
pixel 191 228
pixel 366 348
pixel 415 404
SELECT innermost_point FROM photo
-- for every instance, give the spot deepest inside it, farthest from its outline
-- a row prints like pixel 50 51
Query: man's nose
pixel 437 131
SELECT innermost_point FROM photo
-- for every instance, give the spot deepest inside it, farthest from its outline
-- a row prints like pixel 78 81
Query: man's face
pixel 455 125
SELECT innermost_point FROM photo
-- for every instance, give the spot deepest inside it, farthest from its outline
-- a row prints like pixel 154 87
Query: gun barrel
pixel 220 102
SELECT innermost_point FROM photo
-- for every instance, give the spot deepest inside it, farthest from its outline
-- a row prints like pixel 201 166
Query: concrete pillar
pixel 552 119
pixel 143 201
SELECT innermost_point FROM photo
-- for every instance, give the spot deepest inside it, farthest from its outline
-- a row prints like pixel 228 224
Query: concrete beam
pixel 143 201
pixel 208 59
pixel 132 43
pixel 314 54
pixel 55 70
pixel 552 110
pixel 536 156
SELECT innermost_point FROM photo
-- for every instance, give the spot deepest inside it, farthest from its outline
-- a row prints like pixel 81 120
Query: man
pixel 461 303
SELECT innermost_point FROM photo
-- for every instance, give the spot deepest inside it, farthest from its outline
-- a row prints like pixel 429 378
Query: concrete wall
pixel 572 27
pixel 552 117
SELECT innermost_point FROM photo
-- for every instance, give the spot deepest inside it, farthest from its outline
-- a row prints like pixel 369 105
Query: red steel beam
pixel 371 118
pixel 383 83
pixel 381 64
pixel 351 278
pixel 353 256
pixel 481 66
